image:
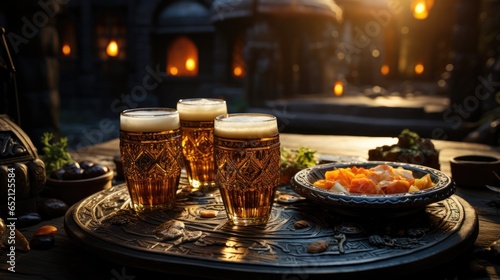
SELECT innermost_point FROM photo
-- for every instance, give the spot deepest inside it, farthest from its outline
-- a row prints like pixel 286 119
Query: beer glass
pixel 247 158
pixel 151 153
pixel 197 126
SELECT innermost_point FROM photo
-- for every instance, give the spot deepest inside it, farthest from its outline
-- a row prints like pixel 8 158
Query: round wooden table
pixel 356 246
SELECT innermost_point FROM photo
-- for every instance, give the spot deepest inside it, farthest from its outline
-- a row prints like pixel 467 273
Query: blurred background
pixel 354 67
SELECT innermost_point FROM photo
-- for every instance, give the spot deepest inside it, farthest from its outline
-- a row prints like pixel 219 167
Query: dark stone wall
pixel 33 40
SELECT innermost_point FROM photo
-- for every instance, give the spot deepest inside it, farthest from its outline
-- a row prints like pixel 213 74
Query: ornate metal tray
pixel 400 204
pixel 104 224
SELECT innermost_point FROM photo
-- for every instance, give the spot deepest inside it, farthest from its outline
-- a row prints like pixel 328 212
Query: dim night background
pixel 354 67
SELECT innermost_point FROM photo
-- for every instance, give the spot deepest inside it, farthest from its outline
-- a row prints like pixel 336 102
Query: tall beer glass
pixel 247 157
pixel 197 126
pixel 151 153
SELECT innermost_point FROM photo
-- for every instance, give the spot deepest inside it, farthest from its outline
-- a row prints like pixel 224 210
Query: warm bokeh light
pixel 237 71
pixel 112 49
pixel 421 8
pixel 173 71
pixel 385 69
pixel 338 88
pixel 66 49
pixel 190 64
pixel 419 69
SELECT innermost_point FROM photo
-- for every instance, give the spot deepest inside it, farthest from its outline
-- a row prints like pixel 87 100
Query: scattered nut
pixel 286 198
pixel 300 224
pixel 193 235
pixel 47 230
pixel 170 230
pixel 317 247
pixel 208 213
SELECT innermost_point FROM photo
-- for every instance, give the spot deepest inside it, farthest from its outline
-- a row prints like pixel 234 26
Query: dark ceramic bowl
pixel 475 170
pixel 388 205
pixel 72 191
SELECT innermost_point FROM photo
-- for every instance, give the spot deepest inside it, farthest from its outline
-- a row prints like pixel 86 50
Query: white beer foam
pixel 149 121
pixel 246 126
pixel 201 109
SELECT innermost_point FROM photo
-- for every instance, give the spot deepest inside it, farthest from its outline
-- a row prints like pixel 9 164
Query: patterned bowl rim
pixel 302 183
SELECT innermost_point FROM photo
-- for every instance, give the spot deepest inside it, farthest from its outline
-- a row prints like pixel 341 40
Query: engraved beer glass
pixel 151 152
pixel 247 157
pixel 197 126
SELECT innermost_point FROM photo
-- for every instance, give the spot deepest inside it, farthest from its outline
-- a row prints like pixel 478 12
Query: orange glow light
pixel 173 71
pixel 112 49
pixel 338 88
pixel 385 69
pixel 237 71
pixel 421 8
pixel 419 69
pixel 66 49
pixel 190 64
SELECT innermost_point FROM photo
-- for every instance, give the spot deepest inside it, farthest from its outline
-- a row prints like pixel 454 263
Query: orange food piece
pixel 423 183
pixel 361 171
pixel 345 177
pixel 324 184
pixel 363 186
pixel 397 186
pixel 332 174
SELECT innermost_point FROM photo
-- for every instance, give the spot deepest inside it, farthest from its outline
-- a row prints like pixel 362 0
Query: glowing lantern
pixel 421 8
pixel 237 71
pixel 338 88
pixel 66 49
pixel 419 69
pixel 385 69
pixel 173 71
pixel 112 48
pixel 190 64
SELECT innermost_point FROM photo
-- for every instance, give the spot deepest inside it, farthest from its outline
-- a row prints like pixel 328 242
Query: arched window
pixel 182 58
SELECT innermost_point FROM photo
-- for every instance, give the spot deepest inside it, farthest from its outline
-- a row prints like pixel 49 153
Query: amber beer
pixel 197 126
pixel 247 157
pixel 151 154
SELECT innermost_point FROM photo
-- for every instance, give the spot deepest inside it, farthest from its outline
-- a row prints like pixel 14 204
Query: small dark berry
pixel 71 165
pixel 86 164
pixel 58 174
pixel 96 170
pixel 73 174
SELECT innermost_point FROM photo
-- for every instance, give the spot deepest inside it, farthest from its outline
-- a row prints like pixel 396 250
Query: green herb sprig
pixel 55 152
pixel 297 158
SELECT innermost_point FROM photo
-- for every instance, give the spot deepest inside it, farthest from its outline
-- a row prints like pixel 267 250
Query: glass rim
pixel 195 101
pixel 264 117
pixel 153 112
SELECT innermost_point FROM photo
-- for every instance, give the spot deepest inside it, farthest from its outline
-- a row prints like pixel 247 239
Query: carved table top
pixel 300 237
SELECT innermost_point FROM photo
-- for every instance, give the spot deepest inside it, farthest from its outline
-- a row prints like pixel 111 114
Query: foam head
pixel 201 109
pixel 149 120
pixel 246 125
